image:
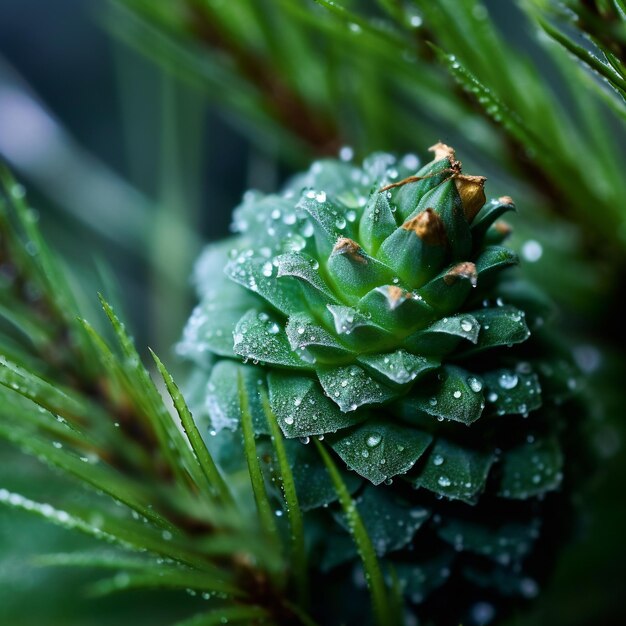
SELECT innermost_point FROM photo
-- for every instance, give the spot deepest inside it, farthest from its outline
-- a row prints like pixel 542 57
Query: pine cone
pixel 379 310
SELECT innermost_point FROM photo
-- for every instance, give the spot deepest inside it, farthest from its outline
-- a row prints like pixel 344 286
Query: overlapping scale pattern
pixel 378 307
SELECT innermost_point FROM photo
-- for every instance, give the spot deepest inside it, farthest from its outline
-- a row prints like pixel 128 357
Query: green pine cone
pixel 378 308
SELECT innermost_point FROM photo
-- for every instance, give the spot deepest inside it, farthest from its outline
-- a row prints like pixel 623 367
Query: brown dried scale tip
pixel 465 270
pixel 442 151
pixel 428 226
pixel 396 296
pixel 503 228
pixel 472 192
pixel 350 248
pixel 506 200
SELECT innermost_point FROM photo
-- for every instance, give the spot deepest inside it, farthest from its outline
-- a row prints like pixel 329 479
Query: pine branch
pixel 364 63
pixel 288 106
pixel 94 413
pixel 601 24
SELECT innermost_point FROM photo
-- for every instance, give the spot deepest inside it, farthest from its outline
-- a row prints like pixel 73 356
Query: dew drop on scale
pixel 508 381
pixel 466 325
pixel 308 229
pixel 474 384
pixel 373 440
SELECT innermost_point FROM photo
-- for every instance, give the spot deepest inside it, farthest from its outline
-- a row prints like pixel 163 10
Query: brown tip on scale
pixel 428 226
pixel 350 248
pixel 396 296
pixel 465 270
pixel 503 228
pixel 472 192
pixel 442 151
pixel 506 200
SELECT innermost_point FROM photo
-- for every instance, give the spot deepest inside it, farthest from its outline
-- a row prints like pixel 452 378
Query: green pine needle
pixel 382 609
pixel 294 513
pixel 264 507
pixel 214 479
pixel 244 615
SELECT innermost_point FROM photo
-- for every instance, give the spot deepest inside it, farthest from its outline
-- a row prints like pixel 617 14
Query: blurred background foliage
pixel 138 124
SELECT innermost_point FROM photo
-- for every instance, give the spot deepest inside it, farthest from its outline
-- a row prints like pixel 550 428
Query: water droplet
pixel 340 223
pixel 457 394
pixel 321 196
pixel 415 20
pixel 18 191
pixel 588 358
pixel 532 251
pixel 289 420
pixel 474 384
pixel 508 380
pixel 444 481
pixel 438 459
pixel 529 588
pixel 373 440
pixel 482 612
pixel 466 325
pixel 307 229
pixel 346 153
pixel 410 161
